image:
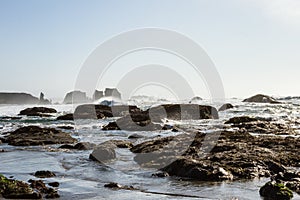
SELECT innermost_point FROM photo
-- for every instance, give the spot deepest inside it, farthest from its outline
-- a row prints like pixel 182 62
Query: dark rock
pixel 79 146
pixel 54 184
pixel 92 111
pixel 38 185
pixel 17 98
pixel 43 101
pixel 226 107
pixel 66 117
pixel 237 152
pixel 242 119
pixel 275 191
pixel 113 185
pixel 104 152
pixel 135 136
pixel 38 111
pixel 84 146
pixel 260 98
pixel 44 174
pixel 52 194
pixel 183 112
pixel 75 97
pixel 261 126
pixel 14 189
pixel 34 135
pixel 197 170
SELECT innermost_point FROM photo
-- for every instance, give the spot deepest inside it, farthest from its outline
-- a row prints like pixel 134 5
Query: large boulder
pixel 92 111
pixel 260 98
pixel 68 116
pixel 183 112
pixel 104 152
pixel 34 135
pixel 38 111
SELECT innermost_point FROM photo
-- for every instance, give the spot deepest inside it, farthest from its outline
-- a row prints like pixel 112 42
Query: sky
pixel 254 44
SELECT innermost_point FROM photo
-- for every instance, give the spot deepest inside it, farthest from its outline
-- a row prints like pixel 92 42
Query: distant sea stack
pixel 109 92
pixel 18 98
pixel 75 97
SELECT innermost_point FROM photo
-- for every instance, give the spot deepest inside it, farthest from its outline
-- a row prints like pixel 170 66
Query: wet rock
pixel 52 194
pixel 66 117
pixel 38 185
pixel 197 170
pixel 84 146
pixel 54 184
pixel 118 186
pixel 14 189
pixel 44 174
pixel 183 112
pixel 38 111
pixel 92 111
pixel 242 119
pixel 226 107
pixel 237 152
pixel 260 98
pixel 134 122
pixel 104 152
pixel 276 191
pixel 34 135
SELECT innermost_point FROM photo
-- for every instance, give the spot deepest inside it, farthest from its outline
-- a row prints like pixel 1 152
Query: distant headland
pixel 71 97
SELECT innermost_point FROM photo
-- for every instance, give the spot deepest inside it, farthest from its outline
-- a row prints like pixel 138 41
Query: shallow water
pixel 81 178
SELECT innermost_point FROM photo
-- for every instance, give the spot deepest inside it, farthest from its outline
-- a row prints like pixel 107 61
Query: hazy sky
pixel 255 44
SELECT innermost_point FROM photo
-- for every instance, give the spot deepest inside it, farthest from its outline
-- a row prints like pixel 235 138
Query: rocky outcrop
pixel 261 126
pixel 236 155
pixel 260 98
pixel 18 98
pixel 38 111
pixel 195 99
pixel 43 101
pixel 44 174
pixel 34 135
pixel 75 97
pixel 79 146
pixel 98 95
pixel 226 107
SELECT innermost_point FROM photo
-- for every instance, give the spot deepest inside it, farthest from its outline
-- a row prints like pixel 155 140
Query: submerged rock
pixel 276 191
pixel 260 98
pixel 226 107
pixel 38 111
pixel 34 135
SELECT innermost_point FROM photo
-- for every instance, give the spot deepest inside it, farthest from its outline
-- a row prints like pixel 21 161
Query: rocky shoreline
pixel 244 148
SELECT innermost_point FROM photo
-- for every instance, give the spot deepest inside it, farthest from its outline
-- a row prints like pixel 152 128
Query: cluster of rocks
pixel 34 189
